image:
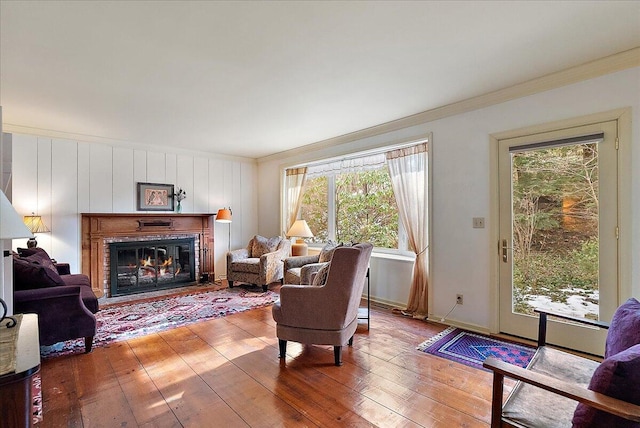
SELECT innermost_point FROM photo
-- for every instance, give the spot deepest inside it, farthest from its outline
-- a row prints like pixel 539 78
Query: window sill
pixel 403 256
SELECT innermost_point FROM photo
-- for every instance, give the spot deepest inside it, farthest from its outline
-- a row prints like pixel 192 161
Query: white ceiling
pixel 256 78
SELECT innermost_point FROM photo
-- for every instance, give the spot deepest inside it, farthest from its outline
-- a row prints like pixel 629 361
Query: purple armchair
pixel 64 302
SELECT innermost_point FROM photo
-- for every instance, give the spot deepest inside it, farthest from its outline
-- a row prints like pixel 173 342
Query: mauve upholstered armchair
pixel 261 263
pixel 325 314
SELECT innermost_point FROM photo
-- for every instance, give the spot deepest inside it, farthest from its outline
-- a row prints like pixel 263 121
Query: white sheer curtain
pixel 294 184
pixel 408 168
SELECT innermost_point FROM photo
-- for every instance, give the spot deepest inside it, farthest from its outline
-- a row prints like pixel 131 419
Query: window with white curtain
pixel 352 200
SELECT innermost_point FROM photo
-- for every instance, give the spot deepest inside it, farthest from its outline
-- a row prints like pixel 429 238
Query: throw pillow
pixel 624 330
pixel 28 275
pixel 618 377
pixel 327 252
pixel 42 259
pixel 321 275
pixel 262 245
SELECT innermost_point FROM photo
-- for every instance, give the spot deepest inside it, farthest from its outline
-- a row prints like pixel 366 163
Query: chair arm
pixel 301 304
pixel 42 294
pixel 299 261
pixel 542 323
pixel 594 399
pixel 236 255
pixel 63 268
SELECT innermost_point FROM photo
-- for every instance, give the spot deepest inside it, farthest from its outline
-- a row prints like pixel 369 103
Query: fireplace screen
pixel 137 267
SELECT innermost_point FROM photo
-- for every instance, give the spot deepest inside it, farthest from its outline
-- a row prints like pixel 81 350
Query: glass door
pixel 558 232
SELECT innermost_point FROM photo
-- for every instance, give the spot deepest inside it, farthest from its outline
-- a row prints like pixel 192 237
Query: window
pixel 351 201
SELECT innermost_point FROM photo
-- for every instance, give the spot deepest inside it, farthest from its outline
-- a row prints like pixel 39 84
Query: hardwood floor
pixel 226 373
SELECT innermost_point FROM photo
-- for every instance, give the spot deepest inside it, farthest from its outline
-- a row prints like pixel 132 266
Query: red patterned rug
pixel 472 349
pixel 126 321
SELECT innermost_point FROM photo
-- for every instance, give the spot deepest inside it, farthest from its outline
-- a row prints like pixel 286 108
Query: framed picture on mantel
pixel 155 197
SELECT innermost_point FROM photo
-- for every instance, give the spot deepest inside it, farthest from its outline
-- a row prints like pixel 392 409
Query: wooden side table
pixel 15 387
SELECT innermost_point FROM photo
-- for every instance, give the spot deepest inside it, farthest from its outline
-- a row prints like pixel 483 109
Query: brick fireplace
pixel 100 231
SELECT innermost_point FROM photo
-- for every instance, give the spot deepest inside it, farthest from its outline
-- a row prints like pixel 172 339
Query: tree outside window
pixel 364 208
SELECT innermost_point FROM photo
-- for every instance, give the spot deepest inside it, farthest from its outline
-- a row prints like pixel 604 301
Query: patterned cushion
pixel 262 245
pixel 327 251
pixel 619 377
pixel 624 330
pixel 251 265
pixel 321 276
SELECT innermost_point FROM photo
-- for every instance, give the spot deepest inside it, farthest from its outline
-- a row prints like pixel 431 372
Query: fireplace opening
pixel 142 266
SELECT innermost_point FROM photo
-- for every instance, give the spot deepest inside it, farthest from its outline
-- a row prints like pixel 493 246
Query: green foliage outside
pixel 365 208
pixel 555 224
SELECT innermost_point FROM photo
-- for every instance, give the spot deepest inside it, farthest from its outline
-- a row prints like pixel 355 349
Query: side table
pixel 15 387
pixel 365 314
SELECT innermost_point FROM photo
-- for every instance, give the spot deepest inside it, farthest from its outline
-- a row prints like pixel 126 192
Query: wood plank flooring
pixel 226 373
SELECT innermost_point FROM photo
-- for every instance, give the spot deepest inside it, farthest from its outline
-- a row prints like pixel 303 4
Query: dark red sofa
pixel 64 302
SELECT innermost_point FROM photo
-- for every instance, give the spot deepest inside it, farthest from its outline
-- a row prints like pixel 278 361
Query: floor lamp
pixel 224 216
pixel 11 227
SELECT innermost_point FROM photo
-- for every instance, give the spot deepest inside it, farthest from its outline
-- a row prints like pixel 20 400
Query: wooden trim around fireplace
pixel 98 227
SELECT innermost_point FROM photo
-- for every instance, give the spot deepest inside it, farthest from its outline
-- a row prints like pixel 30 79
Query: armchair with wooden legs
pixel 325 314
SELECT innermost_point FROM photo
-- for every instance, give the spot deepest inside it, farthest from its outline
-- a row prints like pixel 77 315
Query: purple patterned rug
pixel 125 321
pixel 472 349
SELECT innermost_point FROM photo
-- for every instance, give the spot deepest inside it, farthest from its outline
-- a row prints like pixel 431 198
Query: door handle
pixel 505 253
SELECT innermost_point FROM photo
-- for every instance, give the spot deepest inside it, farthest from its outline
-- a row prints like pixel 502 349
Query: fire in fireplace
pixel 142 266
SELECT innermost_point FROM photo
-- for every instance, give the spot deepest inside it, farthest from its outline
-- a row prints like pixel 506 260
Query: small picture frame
pixel 155 197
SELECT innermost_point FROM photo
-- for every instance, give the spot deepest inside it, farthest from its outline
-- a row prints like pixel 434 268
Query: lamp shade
pixel 300 229
pixel 224 215
pixel 35 223
pixel 11 225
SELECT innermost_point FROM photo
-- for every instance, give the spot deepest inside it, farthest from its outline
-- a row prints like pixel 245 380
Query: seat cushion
pixel 624 331
pixel 251 265
pixel 262 245
pixel 617 376
pixel 522 407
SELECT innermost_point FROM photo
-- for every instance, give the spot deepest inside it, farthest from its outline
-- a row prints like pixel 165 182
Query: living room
pixel 63 171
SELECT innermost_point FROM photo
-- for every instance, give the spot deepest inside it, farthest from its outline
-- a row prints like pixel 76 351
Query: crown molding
pixel 600 67
pixel 62 135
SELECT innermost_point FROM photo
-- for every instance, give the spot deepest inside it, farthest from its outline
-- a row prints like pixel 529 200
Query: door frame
pixel 623 117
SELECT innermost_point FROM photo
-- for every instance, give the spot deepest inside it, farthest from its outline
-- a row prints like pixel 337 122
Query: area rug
pixel 126 321
pixel 472 349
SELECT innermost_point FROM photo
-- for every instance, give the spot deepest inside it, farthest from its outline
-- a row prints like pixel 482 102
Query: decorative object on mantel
pixel 224 216
pixel 179 197
pixel 299 229
pixel 36 225
pixel 155 197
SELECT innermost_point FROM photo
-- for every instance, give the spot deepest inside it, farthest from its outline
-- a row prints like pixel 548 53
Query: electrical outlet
pixel 478 222
pixel 459 300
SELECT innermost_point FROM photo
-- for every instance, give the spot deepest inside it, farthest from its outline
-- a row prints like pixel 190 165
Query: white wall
pixel 461 257
pixel 60 179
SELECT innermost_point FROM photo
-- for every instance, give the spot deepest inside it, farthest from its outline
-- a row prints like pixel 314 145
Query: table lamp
pixel 299 229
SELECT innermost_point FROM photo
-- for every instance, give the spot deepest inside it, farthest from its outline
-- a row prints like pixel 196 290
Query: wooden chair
pixel 550 386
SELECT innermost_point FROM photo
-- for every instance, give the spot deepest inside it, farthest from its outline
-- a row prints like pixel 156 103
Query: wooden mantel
pixel 98 227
